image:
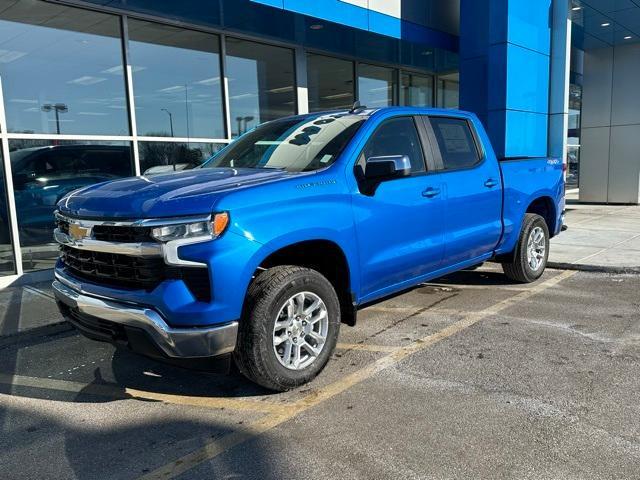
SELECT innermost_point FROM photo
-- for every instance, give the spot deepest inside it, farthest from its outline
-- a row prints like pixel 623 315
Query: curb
pixel 29 335
pixel 594 268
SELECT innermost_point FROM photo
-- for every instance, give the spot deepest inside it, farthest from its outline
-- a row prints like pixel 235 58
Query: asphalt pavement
pixel 466 377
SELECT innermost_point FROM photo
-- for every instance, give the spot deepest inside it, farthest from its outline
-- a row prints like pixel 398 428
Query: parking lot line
pixel 117 392
pixel 366 347
pixel 224 444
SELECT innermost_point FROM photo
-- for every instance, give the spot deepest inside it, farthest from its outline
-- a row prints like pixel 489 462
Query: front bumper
pixel 141 328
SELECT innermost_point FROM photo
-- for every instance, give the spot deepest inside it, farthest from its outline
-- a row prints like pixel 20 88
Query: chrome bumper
pixel 173 342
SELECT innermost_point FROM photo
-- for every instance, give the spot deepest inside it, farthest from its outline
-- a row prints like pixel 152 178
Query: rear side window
pixel 456 142
pixel 398 136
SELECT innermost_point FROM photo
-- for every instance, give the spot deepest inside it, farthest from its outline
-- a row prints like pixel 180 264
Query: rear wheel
pixel 532 251
pixel 289 327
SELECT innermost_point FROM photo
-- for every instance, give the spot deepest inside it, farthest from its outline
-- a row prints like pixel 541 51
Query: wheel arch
pixel 545 207
pixel 326 257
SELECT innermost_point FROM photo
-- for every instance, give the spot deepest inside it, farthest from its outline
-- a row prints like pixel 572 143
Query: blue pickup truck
pixel 261 253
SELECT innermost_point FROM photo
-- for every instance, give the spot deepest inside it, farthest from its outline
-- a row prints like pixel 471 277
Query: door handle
pixel 490 183
pixel 431 192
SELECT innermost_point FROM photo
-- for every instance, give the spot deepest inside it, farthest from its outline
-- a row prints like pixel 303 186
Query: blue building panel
pixel 505 71
pixel 526 134
pixel 529 24
pixel 518 134
pixel 348 14
pixel 331 10
pixel 387 25
pixel 527 80
pixel 524 82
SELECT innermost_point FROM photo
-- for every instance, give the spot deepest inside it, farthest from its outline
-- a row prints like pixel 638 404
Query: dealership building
pixel 100 89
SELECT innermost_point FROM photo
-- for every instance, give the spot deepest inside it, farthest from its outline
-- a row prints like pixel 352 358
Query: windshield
pixel 293 145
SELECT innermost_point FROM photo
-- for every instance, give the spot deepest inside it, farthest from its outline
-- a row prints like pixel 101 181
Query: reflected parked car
pixel 43 175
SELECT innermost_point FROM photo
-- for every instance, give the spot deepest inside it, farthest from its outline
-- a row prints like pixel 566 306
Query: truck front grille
pixel 124 271
pixel 113 233
pixel 108 233
pixel 114 269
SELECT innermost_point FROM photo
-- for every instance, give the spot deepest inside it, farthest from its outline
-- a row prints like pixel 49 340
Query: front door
pixel 400 226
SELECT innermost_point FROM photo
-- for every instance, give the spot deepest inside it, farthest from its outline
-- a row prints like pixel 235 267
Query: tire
pixel 277 294
pixel 522 268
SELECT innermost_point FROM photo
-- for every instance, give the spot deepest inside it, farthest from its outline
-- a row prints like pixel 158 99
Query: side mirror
pixel 387 168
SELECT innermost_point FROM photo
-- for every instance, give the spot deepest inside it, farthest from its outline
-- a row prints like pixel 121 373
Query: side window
pixel 456 142
pixel 397 136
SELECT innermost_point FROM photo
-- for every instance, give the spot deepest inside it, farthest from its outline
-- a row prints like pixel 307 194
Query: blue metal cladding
pixel 406 44
pixel 505 50
pixel 347 14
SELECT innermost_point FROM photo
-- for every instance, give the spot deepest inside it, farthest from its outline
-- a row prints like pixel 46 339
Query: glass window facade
pixel 261 83
pixel 44 171
pixel 176 80
pixel 167 157
pixel 330 83
pixel 449 91
pixel 7 262
pixel 376 86
pixel 61 70
pixel 416 90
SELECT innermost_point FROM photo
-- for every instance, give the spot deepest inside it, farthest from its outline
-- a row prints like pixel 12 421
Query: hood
pixel 192 192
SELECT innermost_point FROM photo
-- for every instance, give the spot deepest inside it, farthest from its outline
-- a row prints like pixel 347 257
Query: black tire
pixel 519 269
pixel 254 354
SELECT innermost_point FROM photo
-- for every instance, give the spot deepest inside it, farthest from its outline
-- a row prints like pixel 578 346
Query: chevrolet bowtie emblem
pixel 77 232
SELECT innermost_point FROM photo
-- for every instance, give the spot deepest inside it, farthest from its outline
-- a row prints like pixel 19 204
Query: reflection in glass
pixel 449 91
pixel 61 70
pixel 44 172
pixel 7 262
pixel 261 83
pixel 416 90
pixel 176 81
pixel 166 157
pixel 574 135
pixel 292 144
pixel 375 86
pixel 330 83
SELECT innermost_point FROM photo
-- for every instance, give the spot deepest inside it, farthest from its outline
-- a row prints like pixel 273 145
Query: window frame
pixel 437 151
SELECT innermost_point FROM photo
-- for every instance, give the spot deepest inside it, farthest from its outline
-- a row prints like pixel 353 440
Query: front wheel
pixel 532 251
pixel 289 327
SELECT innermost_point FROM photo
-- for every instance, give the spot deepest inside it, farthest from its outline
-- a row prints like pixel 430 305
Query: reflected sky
pixel 71 59
pixel 176 76
pixel 261 83
pixel 375 86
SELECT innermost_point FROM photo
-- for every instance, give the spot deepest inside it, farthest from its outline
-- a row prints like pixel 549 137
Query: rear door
pixel 400 226
pixel 473 187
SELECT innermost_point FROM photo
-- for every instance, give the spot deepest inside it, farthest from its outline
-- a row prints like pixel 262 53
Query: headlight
pixel 211 228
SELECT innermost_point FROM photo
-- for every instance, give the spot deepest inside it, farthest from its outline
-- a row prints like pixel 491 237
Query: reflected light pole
pixel 58 108
pixel 170 119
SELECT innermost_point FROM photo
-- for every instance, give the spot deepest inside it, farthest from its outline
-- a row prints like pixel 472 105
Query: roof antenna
pixel 357 108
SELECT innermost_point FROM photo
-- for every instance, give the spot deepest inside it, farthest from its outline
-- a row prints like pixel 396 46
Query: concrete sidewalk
pixel 28 308
pixel 601 238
